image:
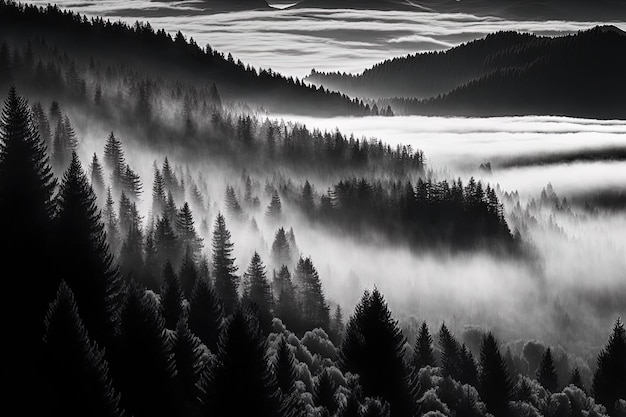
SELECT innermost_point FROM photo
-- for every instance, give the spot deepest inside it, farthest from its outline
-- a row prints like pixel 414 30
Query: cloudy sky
pixel 295 41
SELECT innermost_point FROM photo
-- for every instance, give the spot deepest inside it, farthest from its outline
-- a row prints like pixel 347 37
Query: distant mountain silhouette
pixel 609 10
pixel 504 73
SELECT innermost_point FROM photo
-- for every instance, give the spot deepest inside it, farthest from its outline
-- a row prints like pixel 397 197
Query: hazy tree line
pixel 155 53
pixel 194 337
pixel 506 73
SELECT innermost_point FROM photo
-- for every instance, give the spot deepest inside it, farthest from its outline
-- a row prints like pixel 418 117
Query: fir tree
pixel 468 371
pixel 285 368
pixel 274 210
pixel 187 232
pixel 145 367
pixel 169 178
pixel 158 193
pixel 131 183
pixel 495 385
pixel 171 297
pixel 77 372
pixel 114 161
pixel 281 252
pixel 232 204
pixel 242 383
pixel 188 273
pixel 314 310
pixel 189 364
pixel 609 380
pixel 131 254
pixel 546 374
pixel 324 393
pixel 224 269
pixel 576 379
pixel 450 360
pixel 166 242
pixel 83 257
pixel 423 352
pixel 42 124
pixel 306 198
pixel 373 348
pixel 286 303
pixel 205 314
pixel 257 289
pixel 111 224
pixel 97 176
pixel 337 327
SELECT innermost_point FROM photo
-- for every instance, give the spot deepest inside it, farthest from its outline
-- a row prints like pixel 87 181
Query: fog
pixel 295 41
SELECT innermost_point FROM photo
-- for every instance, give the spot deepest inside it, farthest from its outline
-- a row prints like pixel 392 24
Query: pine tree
pixel 274 210
pixel 281 252
pixel 285 368
pixel 232 204
pixel 171 297
pixel 169 178
pixel 114 161
pixel 293 246
pixel 324 393
pixel 159 199
pixel 189 364
pixel 468 371
pixel 97 176
pixel 188 273
pixel 314 310
pixel 423 352
pixel 166 242
pixel 546 374
pixel 61 150
pixel 205 314
pixel 224 269
pixel 131 253
pixel 131 183
pixel 26 211
pixel 495 385
pixel 242 383
pixel 145 368
pixel 287 308
pixel 337 327
pixel 170 208
pixel 306 199
pixel 187 232
pixel 42 124
pixel 577 380
pixel 111 224
pixel 83 257
pixel 374 349
pixel 450 360
pixel 77 372
pixel 257 289
pixel 609 380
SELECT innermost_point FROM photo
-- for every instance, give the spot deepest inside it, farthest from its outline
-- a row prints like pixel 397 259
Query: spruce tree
pixel 257 289
pixel 423 352
pixel 145 368
pixel 285 368
pixel 77 372
pixel 188 273
pixel 287 308
pixel 224 269
pixel 373 348
pixel 232 204
pixel 450 359
pixel 576 379
pixel 242 383
pixel 114 161
pixel 189 364
pixel 83 257
pixel 26 211
pixel 468 371
pixel 205 314
pixel 306 198
pixel 274 210
pixel 159 198
pixel 546 374
pixel 166 242
pixel 495 385
pixel 324 393
pixel 171 297
pixel 281 252
pixel 609 380
pixel 111 224
pixel 97 176
pixel 314 310
pixel 337 327
pixel 187 232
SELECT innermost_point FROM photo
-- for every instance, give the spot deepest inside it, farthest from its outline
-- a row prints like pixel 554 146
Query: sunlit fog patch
pixel 326 37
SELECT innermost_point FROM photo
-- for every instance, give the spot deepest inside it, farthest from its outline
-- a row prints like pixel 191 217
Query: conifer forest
pixel 381 208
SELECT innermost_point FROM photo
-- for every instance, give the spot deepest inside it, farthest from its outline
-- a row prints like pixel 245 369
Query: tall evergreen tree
pixel 77 372
pixel 495 385
pixel 224 269
pixel 171 297
pixel 205 314
pixel 324 393
pixel 114 161
pixel 374 349
pixel 242 383
pixel 423 352
pixel 188 273
pixel 306 198
pixel 576 379
pixel 159 198
pixel 314 310
pixel 274 210
pixel 187 232
pixel 166 242
pixel 450 359
pixel 286 303
pixel 189 364
pixel 281 252
pixel 337 327
pixel 145 368
pixel 42 124
pixel 97 176
pixel 232 203
pixel 257 289
pixel 83 257
pixel 111 224
pixel 546 374
pixel 285 368
pixel 609 380
pixel 468 371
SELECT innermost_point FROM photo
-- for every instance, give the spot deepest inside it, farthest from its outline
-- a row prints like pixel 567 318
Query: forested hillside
pixel 506 73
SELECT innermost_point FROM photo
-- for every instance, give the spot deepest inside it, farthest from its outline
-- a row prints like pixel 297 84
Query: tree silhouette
pixel 609 380
pixel 159 198
pixel 111 224
pixel 205 314
pixel 187 232
pixel 77 372
pixel 144 367
pixel 189 364
pixel 97 176
pixel 324 393
pixel 576 379
pixel 188 273
pixel 546 374
pixel 495 385
pixel 232 204
pixel 274 210
pixel 166 241
pixel 114 161
pixel 171 297
pixel 374 349
pixel 468 373
pixel 242 383
pixel 284 368
pixel 286 303
pixel 226 282
pixel 281 252
pixel 83 257
pixel 314 310
pixel 257 289
pixel 423 351
pixel 450 360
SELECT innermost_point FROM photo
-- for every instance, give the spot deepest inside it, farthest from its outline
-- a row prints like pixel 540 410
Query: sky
pixel 293 42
